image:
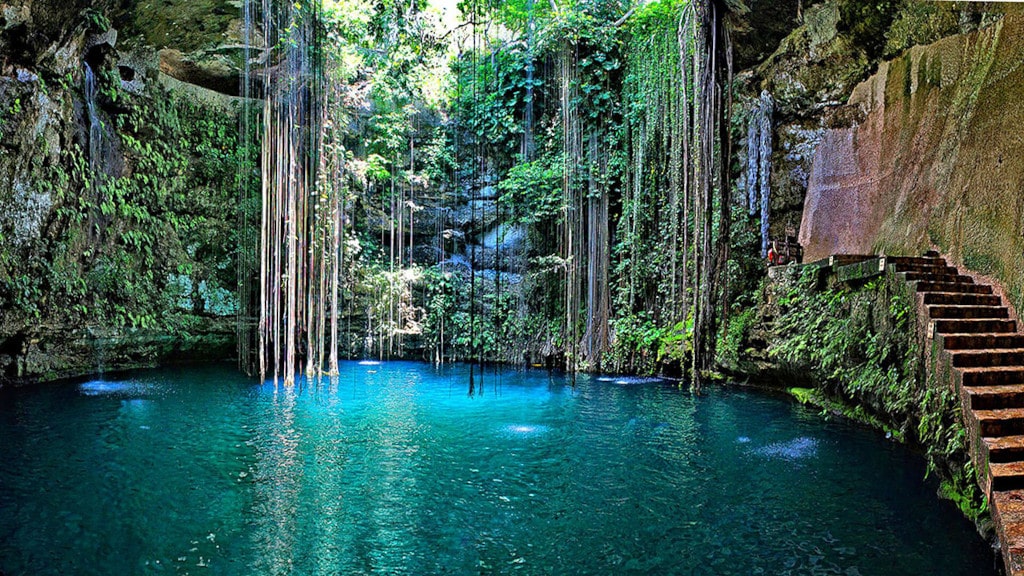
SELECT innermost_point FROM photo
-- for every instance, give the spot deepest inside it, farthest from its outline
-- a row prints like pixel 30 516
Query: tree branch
pixel 625 17
pixel 449 33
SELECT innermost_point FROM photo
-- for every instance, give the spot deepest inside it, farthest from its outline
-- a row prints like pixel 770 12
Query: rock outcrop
pixel 96 145
pixel 933 160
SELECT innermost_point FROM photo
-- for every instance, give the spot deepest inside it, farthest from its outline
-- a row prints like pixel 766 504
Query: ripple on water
pixel 524 430
pixel 629 380
pixel 795 449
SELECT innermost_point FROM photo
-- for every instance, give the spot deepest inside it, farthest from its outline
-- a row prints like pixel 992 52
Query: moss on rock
pixel 857 352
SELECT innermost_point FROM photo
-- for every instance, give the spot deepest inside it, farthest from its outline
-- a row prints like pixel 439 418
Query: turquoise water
pixel 395 469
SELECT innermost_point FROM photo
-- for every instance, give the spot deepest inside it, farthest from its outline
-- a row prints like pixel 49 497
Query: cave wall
pixel 117 210
pixel 934 159
pixel 831 47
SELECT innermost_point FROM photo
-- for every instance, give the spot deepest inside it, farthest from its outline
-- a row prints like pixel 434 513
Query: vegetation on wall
pixel 599 177
pixel 590 130
pixel 149 241
pixel 856 349
pixel 531 185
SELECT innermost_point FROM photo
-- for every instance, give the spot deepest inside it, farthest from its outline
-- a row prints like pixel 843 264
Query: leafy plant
pixel 859 347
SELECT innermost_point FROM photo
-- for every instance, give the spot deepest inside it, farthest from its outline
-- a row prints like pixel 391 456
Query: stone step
pixel 916 260
pixel 992 376
pixel 996 397
pixel 975 326
pixel 925 286
pixel 1008 514
pixel 929 268
pixel 962 299
pixel 967 311
pixel 982 341
pixel 1005 448
pixel 988 357
pixel 846 259
pixel 932 254
pixel 1001 422
pixel 1007 475
pixel 931 277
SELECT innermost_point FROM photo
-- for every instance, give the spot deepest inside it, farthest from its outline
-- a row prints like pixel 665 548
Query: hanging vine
pixel 674 230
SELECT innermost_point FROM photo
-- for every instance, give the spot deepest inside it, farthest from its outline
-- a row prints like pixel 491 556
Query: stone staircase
pixel 985 352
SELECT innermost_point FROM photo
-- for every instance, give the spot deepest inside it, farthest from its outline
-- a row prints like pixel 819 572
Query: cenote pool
pixel 394 469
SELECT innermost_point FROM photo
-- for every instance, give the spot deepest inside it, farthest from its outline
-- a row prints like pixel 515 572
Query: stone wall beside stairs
pixel 962 345
pixel 933 159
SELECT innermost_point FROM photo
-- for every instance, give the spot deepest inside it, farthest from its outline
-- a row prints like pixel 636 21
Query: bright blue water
pixel 394 469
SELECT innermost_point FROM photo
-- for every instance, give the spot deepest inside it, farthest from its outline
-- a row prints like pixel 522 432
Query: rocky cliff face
pixel 932 160
pixel 833 46
pixel 97 146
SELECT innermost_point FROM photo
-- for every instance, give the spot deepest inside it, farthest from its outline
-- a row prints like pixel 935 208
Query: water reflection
pixel 400 472
pixel 278 478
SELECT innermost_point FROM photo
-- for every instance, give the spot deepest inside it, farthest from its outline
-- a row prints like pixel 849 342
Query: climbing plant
pixel 857 349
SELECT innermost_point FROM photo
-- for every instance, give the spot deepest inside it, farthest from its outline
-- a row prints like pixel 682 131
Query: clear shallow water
pixel 394 469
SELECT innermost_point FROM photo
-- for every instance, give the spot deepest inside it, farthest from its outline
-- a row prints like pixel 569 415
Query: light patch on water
pixel 369 363
pixel 629 380
pixel 743 440
pixel 525 430
pixel 634 380
pixel 102 388
pixel 645 425
pixel 795 449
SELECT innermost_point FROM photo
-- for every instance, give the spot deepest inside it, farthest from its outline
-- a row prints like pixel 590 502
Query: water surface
pixel 394 469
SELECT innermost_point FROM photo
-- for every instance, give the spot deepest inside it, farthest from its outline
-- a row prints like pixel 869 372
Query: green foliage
pixel 440 161
pixel 489 98
pixel 532 191
pixel 96 20
pixel 734 335
pixel 439 298
pixel 649 254
pixel 803 395
pixel 596 47
pixel 860 347
pixel 676 343
pixel 640 345
pixel 920 23
pixel 868 22
pixel 377 168
pixel 652 17
pixel 117 239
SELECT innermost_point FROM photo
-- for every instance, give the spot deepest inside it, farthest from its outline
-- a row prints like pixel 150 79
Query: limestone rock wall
pixel 935 159
pixel 118 194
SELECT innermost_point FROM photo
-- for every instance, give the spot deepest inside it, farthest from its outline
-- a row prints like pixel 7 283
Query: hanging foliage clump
pixel 674 231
